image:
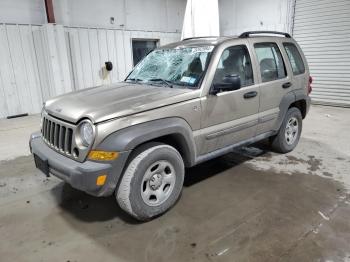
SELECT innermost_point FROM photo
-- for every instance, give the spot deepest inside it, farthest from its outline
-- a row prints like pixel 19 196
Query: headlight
pixel 86 133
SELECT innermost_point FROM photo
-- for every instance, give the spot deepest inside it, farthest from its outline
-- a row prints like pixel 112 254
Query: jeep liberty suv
pixel 184 103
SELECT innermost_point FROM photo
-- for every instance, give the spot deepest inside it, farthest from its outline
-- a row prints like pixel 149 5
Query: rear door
pixel 274 80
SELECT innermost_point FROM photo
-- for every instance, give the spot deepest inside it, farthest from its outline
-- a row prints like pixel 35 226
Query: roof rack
pixel 197 37
pixel 246 34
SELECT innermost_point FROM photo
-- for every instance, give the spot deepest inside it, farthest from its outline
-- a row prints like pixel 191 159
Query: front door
pixel 230 117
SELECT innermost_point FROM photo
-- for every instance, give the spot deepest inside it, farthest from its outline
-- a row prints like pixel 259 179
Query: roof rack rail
pixel 196 37
pixel 246 34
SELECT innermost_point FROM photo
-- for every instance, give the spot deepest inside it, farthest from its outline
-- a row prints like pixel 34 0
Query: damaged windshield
pixel 168 67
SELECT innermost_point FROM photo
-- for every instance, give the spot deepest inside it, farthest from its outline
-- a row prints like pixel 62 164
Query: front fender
pixel 129 138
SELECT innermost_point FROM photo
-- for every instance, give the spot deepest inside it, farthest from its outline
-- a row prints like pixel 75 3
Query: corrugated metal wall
pixel 91 48
pixel 38 62
pixel 19 75
pixel 322 28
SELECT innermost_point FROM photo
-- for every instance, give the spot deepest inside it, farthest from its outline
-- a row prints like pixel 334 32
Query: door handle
pixel 287 85
pixel 250 94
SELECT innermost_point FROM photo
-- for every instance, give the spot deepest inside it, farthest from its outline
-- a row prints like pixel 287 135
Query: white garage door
pixel 322 28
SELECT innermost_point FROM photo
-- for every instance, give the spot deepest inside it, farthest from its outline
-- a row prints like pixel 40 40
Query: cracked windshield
pixel 173 67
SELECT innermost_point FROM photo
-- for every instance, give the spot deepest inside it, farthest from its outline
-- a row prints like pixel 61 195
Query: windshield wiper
pixel 136 80
pixel 168 83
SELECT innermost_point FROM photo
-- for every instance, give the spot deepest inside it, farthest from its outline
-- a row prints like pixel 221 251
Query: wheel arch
pixel 298 99
pixel 173 131
pixel 301 105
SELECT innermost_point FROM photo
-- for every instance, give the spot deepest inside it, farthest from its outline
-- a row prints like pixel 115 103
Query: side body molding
pixel 175 128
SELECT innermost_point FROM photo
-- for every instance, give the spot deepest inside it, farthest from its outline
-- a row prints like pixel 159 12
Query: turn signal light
pixel 100 181
pixel 103 155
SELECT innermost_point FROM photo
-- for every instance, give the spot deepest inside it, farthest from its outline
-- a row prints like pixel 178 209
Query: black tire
pixel 132 193
pixel 280 142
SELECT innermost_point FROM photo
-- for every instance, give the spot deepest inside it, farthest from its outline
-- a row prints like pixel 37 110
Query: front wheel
pixel 289 133
pixel 152 181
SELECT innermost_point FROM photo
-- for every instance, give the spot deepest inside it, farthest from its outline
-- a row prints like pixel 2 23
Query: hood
pixel 111 101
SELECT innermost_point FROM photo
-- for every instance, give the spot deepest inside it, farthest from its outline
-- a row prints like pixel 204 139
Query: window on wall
pixel 295 58
pixel 141 47
pixel 270 60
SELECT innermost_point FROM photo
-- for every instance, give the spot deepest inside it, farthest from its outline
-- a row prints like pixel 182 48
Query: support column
pixel 49 11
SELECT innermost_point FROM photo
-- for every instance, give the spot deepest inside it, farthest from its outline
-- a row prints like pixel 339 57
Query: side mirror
pixel 228 83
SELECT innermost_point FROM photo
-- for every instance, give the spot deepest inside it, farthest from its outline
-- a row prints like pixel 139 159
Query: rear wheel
pixel 152 181
pixel 289 133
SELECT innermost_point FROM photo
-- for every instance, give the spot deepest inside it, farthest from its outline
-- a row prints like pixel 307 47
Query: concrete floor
pixel 251 205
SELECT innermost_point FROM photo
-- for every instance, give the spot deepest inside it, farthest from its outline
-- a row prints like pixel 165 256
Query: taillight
pixel 309 87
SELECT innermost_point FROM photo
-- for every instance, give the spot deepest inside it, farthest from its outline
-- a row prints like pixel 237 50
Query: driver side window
pixel 235 60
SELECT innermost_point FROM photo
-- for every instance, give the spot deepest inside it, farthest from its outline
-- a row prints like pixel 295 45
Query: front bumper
pixel 82 176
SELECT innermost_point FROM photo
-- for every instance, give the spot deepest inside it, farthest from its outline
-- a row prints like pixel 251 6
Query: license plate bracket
pixel 42 165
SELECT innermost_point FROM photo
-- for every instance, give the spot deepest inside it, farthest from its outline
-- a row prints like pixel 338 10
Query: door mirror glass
pixel 228 83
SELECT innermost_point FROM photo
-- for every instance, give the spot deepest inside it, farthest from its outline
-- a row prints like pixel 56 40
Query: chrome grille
pixel 57 134
pixel 60 136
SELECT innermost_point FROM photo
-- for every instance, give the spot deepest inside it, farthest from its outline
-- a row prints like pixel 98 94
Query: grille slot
pixel 52 132
pixel 57 135
pixel 62 137
pixel 69 140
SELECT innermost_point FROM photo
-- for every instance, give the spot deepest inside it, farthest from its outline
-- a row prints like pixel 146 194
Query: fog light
pixel 103 155
pixel 100 181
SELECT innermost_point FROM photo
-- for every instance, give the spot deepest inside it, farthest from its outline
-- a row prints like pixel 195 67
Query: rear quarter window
pixel 295 58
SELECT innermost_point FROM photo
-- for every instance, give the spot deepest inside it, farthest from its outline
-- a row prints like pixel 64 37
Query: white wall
pixel 39 62
pixel 89 13
pixel 90 48
pixel 19 74
pixel 148 15
pixel 237 16
pixel 22 11
pixel 160 15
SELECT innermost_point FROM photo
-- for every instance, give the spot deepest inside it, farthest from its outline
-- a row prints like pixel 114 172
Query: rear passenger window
pixel 294 58
pixel 270 61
